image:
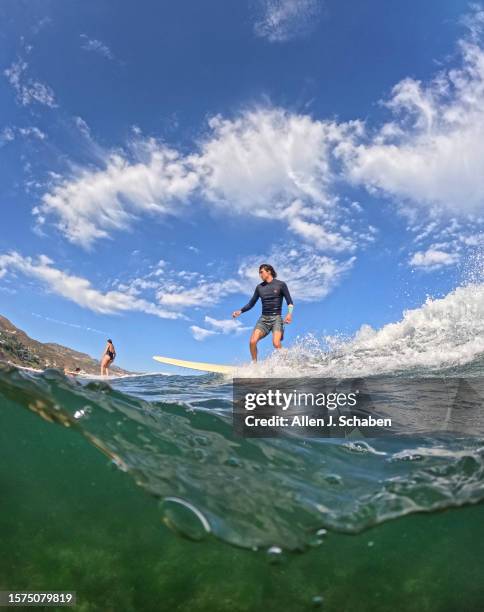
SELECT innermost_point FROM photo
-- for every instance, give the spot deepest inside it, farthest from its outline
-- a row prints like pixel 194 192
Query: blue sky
pixel 153 154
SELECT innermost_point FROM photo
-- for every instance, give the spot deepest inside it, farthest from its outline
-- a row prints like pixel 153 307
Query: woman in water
pixel 107 358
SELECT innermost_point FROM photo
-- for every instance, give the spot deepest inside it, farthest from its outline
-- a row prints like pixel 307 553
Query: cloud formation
pixel 28 91
pixel 96 46
pixel 433 259
pixel 431 154
pixel 217 327
pixel 77 289
pixel 266 163
pixel 283 20
pixel 273 164
pixel 96 202
pixel 200 333
pixel 10 133
pixel 287 167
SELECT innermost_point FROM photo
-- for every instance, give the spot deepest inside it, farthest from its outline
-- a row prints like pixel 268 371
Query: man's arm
pixel 289 302
pixel 250 304
pixel 287 295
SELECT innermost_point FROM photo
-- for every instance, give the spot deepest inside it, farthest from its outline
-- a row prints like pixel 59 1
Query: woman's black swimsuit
pixel 110 354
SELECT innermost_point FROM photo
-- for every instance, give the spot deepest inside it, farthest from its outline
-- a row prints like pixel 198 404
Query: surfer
pixel 75 372
pixel 271 291
pixel 108 357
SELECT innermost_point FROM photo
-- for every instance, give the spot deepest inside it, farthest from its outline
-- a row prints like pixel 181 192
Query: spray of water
pixel 442 333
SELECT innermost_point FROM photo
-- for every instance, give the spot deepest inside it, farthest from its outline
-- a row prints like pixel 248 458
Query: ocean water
pixel 135 493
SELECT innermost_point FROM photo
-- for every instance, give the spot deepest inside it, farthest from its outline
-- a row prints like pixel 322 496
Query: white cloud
pixel 9 133
pixel 33 131
pixel 95 202
pixel 41 24
pixel 285 167
pixel 87 145
pixel 283 20
pixel 473 240
pixel 264 159
pixel 200 333
pixel 431 155
pixel 226 326
pixel 83 127
pixel 266 163
pixel 96 46
pixel 204 294
pixel 276 165
pixel 433 259
pixel 219 326
pixel 28 90
pixel 77 289
pixel 321 237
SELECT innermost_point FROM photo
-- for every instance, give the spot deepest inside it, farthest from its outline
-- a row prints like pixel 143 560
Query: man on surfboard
pixel 271 291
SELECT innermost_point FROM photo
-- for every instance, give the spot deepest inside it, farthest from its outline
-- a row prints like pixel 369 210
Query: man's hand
pixel 236 313
pixel 288 318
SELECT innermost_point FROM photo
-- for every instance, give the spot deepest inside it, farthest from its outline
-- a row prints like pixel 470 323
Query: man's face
pixel 264 275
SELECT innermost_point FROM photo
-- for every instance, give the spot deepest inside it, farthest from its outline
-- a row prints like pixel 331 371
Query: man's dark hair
pixel 268 268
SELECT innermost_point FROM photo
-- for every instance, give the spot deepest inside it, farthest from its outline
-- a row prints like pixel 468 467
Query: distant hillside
pixel 18 348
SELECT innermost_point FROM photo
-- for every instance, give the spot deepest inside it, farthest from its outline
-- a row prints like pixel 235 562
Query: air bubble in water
pixel 334 479
pixel 274 554
pixel 184 518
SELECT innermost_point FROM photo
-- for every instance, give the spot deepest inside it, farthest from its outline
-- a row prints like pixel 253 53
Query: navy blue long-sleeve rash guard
pixel 271 295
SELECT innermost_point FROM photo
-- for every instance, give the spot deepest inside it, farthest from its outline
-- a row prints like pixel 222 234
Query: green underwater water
pixel 70 520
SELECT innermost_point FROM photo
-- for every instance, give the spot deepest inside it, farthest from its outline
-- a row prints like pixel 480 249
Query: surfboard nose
pixel 196 365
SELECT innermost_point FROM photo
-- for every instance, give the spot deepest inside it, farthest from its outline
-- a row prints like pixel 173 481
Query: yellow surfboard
pixel 196 365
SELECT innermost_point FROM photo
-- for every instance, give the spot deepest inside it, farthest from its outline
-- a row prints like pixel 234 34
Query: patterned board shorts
pixel 268 323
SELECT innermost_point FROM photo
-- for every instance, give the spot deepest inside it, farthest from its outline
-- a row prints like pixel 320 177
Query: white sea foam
pixel 110 377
